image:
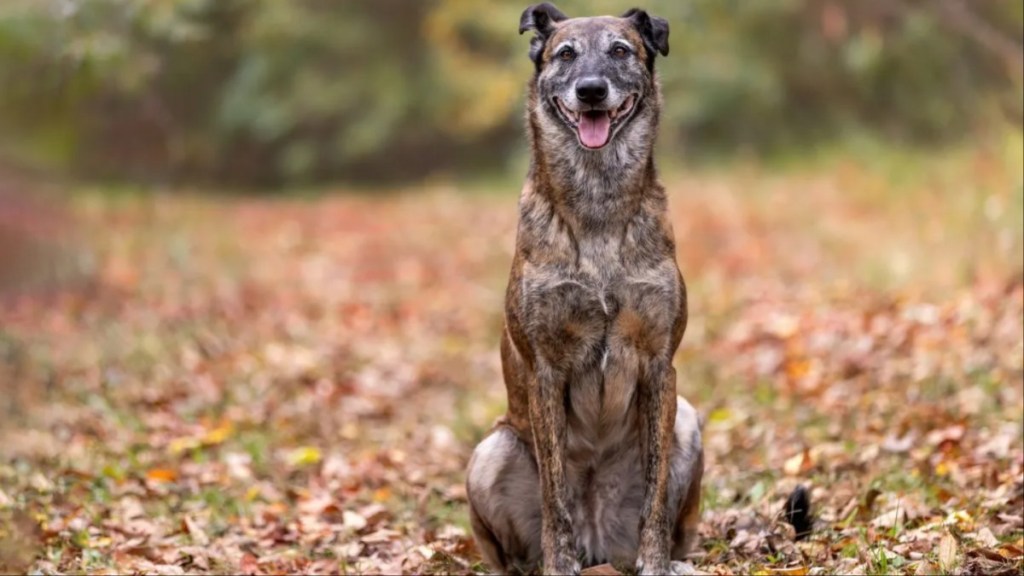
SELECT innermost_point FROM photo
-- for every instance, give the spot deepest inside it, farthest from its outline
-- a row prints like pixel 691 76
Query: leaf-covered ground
pixel 239 384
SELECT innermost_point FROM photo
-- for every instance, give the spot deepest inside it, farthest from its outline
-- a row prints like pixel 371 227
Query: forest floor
pixel 294 384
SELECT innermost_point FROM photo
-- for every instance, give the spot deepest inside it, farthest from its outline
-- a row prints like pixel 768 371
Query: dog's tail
pixel 798 512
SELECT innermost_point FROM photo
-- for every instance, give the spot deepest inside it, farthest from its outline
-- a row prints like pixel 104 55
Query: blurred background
pixel 253 259
pixel 261 93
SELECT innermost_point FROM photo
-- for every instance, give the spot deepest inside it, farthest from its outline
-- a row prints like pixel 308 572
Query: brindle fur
pixel 597 459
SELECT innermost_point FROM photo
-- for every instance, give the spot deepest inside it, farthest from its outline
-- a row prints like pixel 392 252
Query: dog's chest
pixel 596 318
pixel 603 294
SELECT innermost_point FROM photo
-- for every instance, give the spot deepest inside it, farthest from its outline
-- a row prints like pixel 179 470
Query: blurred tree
pixel 265 92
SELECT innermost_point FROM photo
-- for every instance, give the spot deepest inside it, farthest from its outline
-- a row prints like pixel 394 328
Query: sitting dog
pixel 597 460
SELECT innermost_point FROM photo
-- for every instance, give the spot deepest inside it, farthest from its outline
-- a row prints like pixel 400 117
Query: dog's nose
pixel 591 90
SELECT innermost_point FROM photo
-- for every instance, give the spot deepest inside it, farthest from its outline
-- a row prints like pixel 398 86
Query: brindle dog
pixel 598 460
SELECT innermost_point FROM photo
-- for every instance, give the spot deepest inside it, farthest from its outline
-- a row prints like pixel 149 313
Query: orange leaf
pixel 161 475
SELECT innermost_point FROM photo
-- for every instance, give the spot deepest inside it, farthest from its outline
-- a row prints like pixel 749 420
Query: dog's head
pixel 594 76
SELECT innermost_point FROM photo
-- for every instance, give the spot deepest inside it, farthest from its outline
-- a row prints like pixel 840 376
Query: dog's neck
pixel 593 188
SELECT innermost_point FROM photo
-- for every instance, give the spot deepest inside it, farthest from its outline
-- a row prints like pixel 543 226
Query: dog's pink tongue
pixel 594 128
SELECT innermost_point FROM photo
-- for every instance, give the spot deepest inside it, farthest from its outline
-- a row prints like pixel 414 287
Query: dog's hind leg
pixel 686 472
pixel 504 502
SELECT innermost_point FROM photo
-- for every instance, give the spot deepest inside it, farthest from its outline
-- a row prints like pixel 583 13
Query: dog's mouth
pixel 595 127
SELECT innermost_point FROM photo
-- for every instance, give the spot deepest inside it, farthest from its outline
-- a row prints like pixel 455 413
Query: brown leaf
pixel 374 514
pixel 381 536
pixel 600 570
pixel 249 564
pixel 799 464
pixel 199 537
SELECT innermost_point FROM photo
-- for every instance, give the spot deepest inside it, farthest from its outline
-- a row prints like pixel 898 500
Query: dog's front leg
pixel 657 412
pixel 548 422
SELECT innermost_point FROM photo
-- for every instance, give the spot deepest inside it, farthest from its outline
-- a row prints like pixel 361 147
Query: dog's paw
pixel 649 568
pixel 677 568
pixel 563 565
pixel 570 569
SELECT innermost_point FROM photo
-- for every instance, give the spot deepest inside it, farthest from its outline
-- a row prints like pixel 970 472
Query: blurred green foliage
pixel 262 92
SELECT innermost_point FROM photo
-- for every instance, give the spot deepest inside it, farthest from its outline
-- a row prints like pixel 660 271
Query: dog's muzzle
pixel 594 127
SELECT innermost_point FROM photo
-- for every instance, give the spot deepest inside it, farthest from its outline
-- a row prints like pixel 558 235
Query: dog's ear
pixel 541 19
pixel 653 30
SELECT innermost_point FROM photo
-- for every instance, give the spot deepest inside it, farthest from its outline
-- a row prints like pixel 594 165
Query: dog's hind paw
pixel 677 568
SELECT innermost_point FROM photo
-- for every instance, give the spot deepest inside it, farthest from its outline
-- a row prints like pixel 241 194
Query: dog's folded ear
pixel 541 19
pixel 652 29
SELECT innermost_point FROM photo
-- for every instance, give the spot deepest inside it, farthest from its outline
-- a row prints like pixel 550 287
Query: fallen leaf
pixel 181 445
pixel 987 538
pixel 899 445
pixel 952 434
pixel 199 537
pixel 218 435
pixel 100 542
pixel 374 513
pixel 600 570
pixel 450 532
pixel 304 456
pixel 947 552
pixel 249 564
pixel 381 536
pixel 892 519
pixel 798 464
pixel 924 568
pixel 1011 551
pixel 961 519
pixel 353 521
pixel 793 571
pixel 161 475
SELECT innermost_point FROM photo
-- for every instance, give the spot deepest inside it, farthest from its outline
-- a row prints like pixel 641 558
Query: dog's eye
pixel 620 52
pixel 566 54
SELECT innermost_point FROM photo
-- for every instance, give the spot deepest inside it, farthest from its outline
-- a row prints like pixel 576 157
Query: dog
pixel 597 459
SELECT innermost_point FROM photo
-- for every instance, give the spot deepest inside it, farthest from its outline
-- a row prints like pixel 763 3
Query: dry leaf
pixel 799 464
pixel 249 564
pixel 893 518
pixel 947 552
pixel 199 537
pixel 381 536
pixel 218 435
pixel 304 456
pixel 899 445
pixel 600 570
pixel 161 475
pixel 924 568
pixel 987 538
pixel 353 521
pixel 793 571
